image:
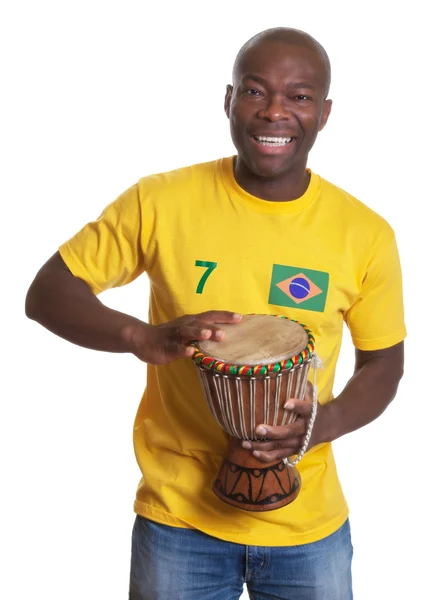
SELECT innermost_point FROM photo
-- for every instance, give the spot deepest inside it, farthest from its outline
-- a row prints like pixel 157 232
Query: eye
pixel 302 97
pixel 252 92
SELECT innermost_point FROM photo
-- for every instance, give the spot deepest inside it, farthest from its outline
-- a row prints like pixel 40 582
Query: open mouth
pixel 272 142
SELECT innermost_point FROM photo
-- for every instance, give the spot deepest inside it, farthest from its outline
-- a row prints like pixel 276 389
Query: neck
pixel 285 187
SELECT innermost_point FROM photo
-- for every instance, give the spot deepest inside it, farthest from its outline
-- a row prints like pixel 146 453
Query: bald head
pixel 284 35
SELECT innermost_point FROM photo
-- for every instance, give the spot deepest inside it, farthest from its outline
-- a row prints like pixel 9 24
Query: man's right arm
pixel 66 306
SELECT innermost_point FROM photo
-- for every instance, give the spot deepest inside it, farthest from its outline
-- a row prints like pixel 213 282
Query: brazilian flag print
pixel 296 287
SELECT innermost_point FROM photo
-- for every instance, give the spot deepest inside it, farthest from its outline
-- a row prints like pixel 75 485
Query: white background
pixel 97 94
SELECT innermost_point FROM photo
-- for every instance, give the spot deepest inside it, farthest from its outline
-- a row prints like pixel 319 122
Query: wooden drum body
pixel 247 378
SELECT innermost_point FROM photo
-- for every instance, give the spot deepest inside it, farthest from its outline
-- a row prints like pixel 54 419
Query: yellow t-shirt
pixel 205 243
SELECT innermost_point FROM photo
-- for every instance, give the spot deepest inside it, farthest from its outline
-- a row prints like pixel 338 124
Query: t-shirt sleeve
pixel 376 317
pixel 107 253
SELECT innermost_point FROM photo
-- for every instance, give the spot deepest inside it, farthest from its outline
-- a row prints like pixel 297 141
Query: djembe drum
pixel 263 361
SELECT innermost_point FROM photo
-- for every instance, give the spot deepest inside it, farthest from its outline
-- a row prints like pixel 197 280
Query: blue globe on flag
pixel 299 288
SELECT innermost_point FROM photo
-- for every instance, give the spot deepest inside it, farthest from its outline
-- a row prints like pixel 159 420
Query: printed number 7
pixel 211 266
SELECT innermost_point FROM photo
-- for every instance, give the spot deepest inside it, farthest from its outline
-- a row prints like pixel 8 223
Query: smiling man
pixel 255 233
pixel 277 105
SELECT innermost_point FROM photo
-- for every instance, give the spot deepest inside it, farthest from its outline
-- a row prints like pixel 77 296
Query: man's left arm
pixel 367 394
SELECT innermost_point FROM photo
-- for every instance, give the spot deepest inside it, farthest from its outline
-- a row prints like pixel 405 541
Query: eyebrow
pixel 298 85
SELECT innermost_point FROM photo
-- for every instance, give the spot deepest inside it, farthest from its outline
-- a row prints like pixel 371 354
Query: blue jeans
pixel 169 563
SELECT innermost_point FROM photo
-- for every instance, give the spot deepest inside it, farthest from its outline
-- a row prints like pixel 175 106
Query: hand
pixel 162 344
pixel 284 440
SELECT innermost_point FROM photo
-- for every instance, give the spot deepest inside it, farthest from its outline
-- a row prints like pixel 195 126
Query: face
pixel 277 107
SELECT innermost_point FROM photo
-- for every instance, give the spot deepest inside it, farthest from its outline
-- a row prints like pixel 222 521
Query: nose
pixel 274 109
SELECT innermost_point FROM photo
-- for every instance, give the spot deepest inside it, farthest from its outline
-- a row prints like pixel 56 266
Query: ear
pixel 325 113
pixel 229 90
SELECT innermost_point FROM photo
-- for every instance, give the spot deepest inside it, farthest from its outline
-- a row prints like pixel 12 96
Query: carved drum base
pixel 247 483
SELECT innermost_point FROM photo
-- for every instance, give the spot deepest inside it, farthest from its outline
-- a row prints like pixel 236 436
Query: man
pixel 215 238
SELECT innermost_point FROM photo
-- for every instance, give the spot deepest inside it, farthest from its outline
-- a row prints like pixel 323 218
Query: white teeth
pixel 272 141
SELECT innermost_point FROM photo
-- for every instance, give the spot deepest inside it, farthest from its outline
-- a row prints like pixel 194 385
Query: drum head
pixel 257 340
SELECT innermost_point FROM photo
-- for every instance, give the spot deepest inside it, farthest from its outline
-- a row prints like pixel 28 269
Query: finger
pixel 267 457
pixel 269 446
pixel 187 352
pixel 216 334
pixel 309 394
pixel 281 432
pixel 304 408
pixel 192 332
pixel 175 350
pixel 219 316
